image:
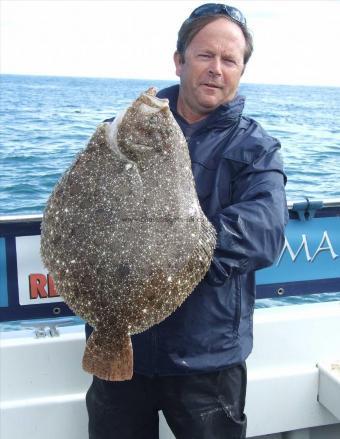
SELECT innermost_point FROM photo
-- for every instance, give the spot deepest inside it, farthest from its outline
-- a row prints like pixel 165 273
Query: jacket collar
pixel 225 112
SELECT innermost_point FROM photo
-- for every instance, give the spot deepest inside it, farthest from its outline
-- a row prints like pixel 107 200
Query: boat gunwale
pixel 329 202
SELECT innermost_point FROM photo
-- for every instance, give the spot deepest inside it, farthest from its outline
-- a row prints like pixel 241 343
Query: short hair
pixel 191 27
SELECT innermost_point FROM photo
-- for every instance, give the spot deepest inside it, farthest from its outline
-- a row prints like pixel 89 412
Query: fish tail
pixel 109 359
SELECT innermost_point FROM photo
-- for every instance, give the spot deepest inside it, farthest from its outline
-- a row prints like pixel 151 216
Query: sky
pixel 296 41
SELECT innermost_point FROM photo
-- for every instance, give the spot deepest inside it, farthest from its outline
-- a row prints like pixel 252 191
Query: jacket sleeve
pixel 250 231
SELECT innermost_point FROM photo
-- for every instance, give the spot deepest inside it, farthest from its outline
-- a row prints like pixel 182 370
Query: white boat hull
pixel 43 386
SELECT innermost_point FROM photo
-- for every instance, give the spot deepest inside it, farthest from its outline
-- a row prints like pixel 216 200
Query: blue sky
pixel 296 42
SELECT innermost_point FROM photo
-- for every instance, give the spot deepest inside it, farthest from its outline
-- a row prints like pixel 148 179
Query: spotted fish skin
pixel 123 234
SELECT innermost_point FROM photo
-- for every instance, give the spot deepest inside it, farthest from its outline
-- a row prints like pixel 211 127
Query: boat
pixel 293 371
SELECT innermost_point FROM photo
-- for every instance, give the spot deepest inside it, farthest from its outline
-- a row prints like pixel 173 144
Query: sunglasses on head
pixel 218 8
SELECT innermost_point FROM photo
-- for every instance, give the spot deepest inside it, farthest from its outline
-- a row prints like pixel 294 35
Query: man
pixel 192 365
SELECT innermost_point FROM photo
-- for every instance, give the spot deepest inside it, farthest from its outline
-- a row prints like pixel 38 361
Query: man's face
pixel 211 70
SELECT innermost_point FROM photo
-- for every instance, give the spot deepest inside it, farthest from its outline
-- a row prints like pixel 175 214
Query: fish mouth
pixel 147 103
pixel 150 103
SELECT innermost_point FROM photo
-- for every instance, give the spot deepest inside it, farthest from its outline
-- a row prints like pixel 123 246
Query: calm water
pixel 45 121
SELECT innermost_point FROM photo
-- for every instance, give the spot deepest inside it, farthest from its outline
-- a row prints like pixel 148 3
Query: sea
pixel 45 121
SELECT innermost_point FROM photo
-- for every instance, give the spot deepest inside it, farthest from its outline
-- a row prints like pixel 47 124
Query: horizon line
pixel 158 79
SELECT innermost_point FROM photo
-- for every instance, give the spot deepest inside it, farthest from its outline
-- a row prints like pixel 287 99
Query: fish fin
pixel 109 359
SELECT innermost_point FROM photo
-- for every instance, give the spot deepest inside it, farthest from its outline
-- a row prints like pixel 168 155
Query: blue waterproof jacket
pixel 240 185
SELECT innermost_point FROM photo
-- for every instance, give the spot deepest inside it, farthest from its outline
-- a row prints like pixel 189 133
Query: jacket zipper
pixel 237 304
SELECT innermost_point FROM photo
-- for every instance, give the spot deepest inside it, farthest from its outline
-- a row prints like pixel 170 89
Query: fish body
pixel 123 234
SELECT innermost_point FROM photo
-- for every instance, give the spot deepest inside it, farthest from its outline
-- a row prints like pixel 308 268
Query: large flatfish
pixel 123 234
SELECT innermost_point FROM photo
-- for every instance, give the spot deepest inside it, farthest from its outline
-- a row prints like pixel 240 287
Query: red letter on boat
pixel 37 286
pixel 52 292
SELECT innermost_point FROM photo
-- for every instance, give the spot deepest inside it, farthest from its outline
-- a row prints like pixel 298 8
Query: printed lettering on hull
pixel 307 254
pixel 35 284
